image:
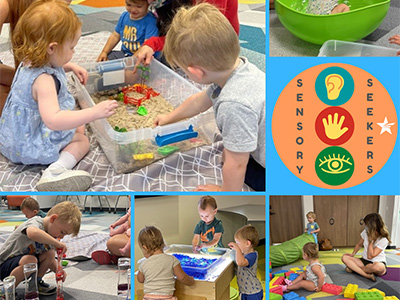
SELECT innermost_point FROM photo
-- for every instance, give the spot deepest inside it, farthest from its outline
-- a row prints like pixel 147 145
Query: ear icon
pixel 334 84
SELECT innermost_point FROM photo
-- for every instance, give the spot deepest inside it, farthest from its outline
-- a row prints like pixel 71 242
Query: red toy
pixel 332 289
pixel 59 275
pixel 141 89
pixel 278 280
pixel 276 290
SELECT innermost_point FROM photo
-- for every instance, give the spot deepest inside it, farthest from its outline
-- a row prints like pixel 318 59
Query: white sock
pixel 66 160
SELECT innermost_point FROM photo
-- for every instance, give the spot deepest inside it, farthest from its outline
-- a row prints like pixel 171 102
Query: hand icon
pixel 334 130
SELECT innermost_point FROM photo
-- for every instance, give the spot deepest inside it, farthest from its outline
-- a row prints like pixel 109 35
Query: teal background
pixel 346 91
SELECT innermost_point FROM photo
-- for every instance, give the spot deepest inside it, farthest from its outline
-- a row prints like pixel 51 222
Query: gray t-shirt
pixel 158 271
pixel 239 109
pixel 247 276
pixel 18 242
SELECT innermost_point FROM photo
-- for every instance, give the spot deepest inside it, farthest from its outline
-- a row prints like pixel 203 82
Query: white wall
pixel 307 205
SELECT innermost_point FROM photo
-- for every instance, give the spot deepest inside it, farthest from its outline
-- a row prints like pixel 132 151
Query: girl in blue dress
pixel 39 124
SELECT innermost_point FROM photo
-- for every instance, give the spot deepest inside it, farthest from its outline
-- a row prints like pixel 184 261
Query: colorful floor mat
pixel 389 284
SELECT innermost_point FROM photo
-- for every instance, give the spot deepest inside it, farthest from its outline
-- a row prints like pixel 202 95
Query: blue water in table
pixel 196 267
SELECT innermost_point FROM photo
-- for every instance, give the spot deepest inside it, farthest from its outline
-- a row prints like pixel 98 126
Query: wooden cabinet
pixel 340 217
pixel 201 290
pixel 286 218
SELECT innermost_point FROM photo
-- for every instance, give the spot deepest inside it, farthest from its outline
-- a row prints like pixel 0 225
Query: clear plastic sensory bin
pixel 130 150
pixel 203 265
pixel 343 48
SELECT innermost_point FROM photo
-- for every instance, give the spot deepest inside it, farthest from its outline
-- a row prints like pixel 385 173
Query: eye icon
pixel 334 165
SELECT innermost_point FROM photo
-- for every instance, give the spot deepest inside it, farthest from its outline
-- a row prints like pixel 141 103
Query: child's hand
pixel 160 120
pixel 105 109
pixel 144 56
pixel 317 289
pixel 61 246
pixel 81 73
pixel 234 246
pixel 63 275
pixel 395 40
pixel 102 57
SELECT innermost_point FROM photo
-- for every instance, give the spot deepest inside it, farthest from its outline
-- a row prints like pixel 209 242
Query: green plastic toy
pixel 64 263
pixel 144 75
pixel 363 18
pixel 120 96
pixel 142 111
pixel 273 296
pixel 166 150
pixel 123 129
pixel 289 251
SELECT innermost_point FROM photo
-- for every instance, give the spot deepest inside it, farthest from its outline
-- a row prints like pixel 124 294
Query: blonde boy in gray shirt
pixel 202 42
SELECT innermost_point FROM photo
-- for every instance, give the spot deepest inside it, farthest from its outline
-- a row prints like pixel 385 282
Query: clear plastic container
pixel 9 287
pixel 216 254
pixel 123 287
pixel 342 48
pixel 31 288
pixel 120 147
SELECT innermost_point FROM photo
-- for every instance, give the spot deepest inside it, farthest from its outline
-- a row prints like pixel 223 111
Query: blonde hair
pixel 249 233
pixel 311 249
pixel 311 214
pixel 151 237
pixel 201 36
pixel 138 1
pixel 207 201
pixel 69 214
pixel 30 204
pixel 46 21
pixel 376 227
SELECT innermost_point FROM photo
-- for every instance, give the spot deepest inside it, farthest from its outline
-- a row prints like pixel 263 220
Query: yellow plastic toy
pixel 296 270
pixel 143 156
pixel 350 290
pixel 376 290
pixel 390 298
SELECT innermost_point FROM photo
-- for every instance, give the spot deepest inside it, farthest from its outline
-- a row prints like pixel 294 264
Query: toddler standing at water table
pixel 246 258
pixel 38 124
pixel 208 232
pixel 158 270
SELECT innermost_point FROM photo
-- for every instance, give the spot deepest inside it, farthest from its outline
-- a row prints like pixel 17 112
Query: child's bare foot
pixel 372 277
pixel 123 251
pixel 348 270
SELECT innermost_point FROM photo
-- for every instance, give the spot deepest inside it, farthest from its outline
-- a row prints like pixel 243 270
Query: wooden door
pixel 357 208
pixel 331 214
pixel 285 218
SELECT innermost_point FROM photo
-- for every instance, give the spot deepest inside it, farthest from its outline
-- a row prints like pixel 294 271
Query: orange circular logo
pixel 334 126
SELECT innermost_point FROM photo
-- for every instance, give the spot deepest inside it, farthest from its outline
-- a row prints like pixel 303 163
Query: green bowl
pixel 363 18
